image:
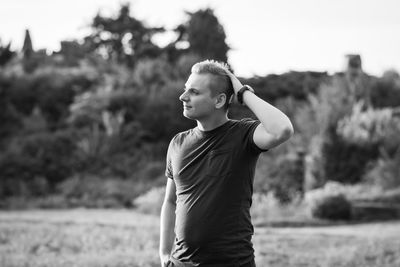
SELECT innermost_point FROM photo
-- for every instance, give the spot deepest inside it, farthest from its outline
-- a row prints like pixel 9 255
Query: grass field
pixel 122 238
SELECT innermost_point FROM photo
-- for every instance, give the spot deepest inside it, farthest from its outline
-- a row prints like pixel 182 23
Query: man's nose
pixel 183 97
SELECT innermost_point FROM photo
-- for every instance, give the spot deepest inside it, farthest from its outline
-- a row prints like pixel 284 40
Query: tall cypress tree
pixel 27 48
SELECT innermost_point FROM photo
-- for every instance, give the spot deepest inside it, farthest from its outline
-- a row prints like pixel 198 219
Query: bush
pixel 385 172
pixel 346 162
pixel 94 191
pixel 266 208
pixel 151 201
pixel 365 127
pixel 281 171
pixel 329 203
pixel 34 164
pixel 332 208
pixel 361 192
pixel 385 92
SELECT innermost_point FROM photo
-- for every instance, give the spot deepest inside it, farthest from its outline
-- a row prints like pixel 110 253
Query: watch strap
pixel 241 91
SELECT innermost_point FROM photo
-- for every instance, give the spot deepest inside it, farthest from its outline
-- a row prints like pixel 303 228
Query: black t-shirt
pixel 213 172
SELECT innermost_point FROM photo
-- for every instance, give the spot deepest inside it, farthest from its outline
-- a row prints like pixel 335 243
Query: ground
pixel 119 238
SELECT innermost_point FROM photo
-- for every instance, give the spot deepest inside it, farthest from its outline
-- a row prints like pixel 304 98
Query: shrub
pixel 151 201
pixel 316 122
pixel 361 192
pixel 332 208
pixel 385 92
pixel 329 203
pixel 94 191
pixel 365 127
pixel 280 171
pixel 266 208
pixel 385 172
pixel 346 162
pixel 38 161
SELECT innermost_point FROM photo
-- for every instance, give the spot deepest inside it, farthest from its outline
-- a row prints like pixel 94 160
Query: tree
pixel 5 53
pixel 72 52
pixel 10 119
pixel 123 38
pixel 27 48
pixel 205 35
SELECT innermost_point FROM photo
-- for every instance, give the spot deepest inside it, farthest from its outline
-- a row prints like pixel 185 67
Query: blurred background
pixel 89 102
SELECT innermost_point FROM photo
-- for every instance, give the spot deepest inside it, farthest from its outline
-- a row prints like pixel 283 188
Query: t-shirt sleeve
pixel 250 126
pixel 168 166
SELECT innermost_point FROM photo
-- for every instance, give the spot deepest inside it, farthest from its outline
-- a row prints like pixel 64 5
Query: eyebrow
pixel 191 89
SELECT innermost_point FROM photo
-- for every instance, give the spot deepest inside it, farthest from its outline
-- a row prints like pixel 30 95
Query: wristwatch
pixel 239 94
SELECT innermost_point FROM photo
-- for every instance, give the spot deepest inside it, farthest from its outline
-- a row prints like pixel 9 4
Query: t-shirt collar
pixel 220 128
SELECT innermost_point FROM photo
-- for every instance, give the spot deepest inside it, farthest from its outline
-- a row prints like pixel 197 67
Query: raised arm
pixel 275 127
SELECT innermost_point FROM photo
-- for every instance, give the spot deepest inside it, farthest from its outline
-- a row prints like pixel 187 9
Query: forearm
pixel 167 224
pixel 272 119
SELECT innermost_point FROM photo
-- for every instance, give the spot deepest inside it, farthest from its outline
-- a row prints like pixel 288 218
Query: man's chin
pixel 188 115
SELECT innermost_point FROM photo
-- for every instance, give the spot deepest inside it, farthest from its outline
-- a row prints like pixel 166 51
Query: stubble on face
pixel 198 102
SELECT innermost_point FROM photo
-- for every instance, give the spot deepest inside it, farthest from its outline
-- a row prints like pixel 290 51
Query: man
pixel 205 217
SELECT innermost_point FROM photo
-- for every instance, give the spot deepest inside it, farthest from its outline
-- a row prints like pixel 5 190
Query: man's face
pixel 197 99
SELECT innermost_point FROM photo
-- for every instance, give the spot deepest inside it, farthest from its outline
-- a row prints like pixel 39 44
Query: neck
pixel 212 123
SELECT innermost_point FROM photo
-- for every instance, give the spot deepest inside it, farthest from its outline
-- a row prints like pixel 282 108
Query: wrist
pixel 239 95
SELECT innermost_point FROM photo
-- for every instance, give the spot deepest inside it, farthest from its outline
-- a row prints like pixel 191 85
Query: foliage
pixel 280 172
pixel 93 191
pixel 359 192
pixel 184 65
pixel 205 35
pixel 72 53
pixel 385 91
pixel 379 129
pixel 365 127
pixel 51 90
pixel 123 38
pixel 266 209
pixel 39 155
pixel 104 108
pixel 10 119
pixel 332 208
pixel 6 54
pixel 326 203
pixel 385 172
pixel 27 48
pixel 330 156
pixel 298 85
pixel 151 74
pixel 151 201
pixel 346 162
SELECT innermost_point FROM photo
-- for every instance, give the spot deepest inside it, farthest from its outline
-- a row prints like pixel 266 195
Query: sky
pixel 265 36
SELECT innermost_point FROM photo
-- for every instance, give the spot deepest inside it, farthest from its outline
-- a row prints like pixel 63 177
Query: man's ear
pixel 220 101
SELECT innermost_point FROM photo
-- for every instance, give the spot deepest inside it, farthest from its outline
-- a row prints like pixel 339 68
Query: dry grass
pixel 119 238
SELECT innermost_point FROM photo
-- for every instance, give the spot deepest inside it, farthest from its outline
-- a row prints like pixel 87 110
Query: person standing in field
pixel 205 216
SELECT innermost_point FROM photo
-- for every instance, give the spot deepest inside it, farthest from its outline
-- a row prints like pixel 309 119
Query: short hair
pixel 222 83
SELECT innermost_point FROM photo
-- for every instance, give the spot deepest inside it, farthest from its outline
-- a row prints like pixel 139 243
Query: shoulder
pixel 246 129
pixel 246 123
pixel 180 137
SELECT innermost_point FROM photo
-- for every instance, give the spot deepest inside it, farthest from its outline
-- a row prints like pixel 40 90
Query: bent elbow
pixel 287 133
